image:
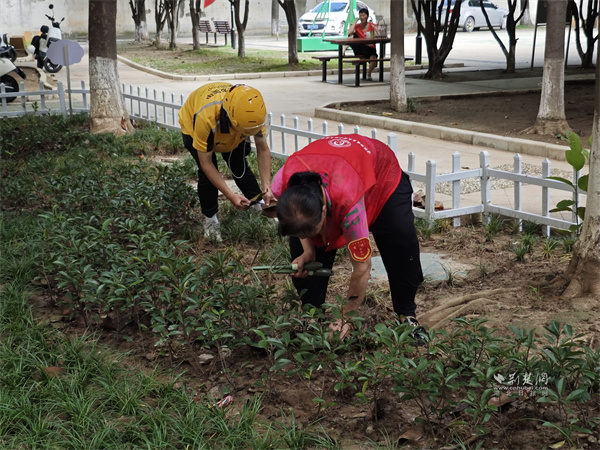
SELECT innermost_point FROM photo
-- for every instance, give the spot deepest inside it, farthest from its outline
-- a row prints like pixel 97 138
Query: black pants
pixel 363 50
pixel 396 238
pixel 238 165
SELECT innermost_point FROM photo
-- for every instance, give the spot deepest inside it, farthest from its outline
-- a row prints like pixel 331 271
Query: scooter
pixel 7 50
pixel 42 42
pixel 10 84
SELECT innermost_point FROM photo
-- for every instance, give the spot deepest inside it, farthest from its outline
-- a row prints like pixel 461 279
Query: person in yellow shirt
pixel 221 118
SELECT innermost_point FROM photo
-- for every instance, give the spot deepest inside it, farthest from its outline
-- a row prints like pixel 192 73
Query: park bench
pixel 325 59
pixel 205 26
pixel 222 27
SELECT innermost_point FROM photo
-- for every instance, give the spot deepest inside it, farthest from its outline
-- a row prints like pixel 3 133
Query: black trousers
pixel 396 238
pixel 238 165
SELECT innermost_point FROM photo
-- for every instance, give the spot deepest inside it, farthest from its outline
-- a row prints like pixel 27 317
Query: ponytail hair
pixel 300 206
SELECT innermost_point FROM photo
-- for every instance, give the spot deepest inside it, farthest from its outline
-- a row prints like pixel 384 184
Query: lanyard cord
pixel 231 170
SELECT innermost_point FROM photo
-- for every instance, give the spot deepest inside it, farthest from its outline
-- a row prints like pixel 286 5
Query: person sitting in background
pixel 362 29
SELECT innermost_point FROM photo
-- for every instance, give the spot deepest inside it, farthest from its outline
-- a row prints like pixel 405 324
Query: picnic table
pixel 342 42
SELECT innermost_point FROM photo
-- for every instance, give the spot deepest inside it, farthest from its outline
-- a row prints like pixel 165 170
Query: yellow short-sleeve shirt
pixel 200 117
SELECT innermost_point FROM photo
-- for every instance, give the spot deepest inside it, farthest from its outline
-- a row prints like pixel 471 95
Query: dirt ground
pixel 493 285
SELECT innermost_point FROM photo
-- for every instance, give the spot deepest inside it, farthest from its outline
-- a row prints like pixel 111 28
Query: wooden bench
pixel 222 27
pixel 205 26
pixel 325 59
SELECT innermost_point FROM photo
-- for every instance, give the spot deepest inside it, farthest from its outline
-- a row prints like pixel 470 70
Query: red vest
pixel 355 166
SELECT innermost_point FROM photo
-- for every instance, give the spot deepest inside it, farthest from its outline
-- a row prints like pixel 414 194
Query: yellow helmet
pixel 246 109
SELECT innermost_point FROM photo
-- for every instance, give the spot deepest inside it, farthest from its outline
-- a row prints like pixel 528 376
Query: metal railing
pixel 152 106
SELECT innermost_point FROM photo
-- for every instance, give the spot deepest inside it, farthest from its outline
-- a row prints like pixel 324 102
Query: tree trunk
pixel 172 15
pixel 582 274
pixel 195 15
pixel 551 119
pixel 526 18
pixel 240 24
pixel 398 101
pixel 585 23
pixel 275 18
pixel 138 11
pixel 290 14
pixel 436 23
pixel 107 108
pixel 160 18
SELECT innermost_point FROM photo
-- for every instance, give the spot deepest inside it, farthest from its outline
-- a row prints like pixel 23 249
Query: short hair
pixel 300 206
pixel 363 10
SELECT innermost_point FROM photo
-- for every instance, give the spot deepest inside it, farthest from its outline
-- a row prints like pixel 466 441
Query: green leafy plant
pixel 577 157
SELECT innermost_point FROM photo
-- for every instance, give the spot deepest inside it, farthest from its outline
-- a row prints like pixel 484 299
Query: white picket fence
pixel 284 139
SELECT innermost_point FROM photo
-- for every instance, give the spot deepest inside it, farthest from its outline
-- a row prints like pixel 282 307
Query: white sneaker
pixel 212 231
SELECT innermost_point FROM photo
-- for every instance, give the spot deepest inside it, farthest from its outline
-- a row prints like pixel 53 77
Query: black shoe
pixel 419 334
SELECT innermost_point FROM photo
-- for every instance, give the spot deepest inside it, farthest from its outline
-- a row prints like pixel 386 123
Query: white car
pixel 319 19
pixel 472 18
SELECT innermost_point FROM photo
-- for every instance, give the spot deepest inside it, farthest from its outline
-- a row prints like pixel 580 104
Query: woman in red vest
pixel 332 193
pixel 363 29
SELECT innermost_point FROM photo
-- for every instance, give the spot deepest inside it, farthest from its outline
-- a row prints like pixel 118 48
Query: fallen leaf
pixel 387 114
pixel 557 445
pixel 500 401
pixel 412 434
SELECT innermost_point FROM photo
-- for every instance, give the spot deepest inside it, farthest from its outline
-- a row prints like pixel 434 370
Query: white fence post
pixel 392 142
pixel 430 182
pixel 546 196
pixel 283 144
pixel 456 187
pixel 518 168
pixel 486 187
pixel 270 122
pixel 61 96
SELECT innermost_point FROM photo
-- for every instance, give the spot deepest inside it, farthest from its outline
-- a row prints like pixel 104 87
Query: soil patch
pixel 505 114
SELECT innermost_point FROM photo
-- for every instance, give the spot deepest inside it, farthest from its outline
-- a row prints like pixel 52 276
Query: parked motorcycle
pixel 42 42
pixel 10 84
pixel 7 50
